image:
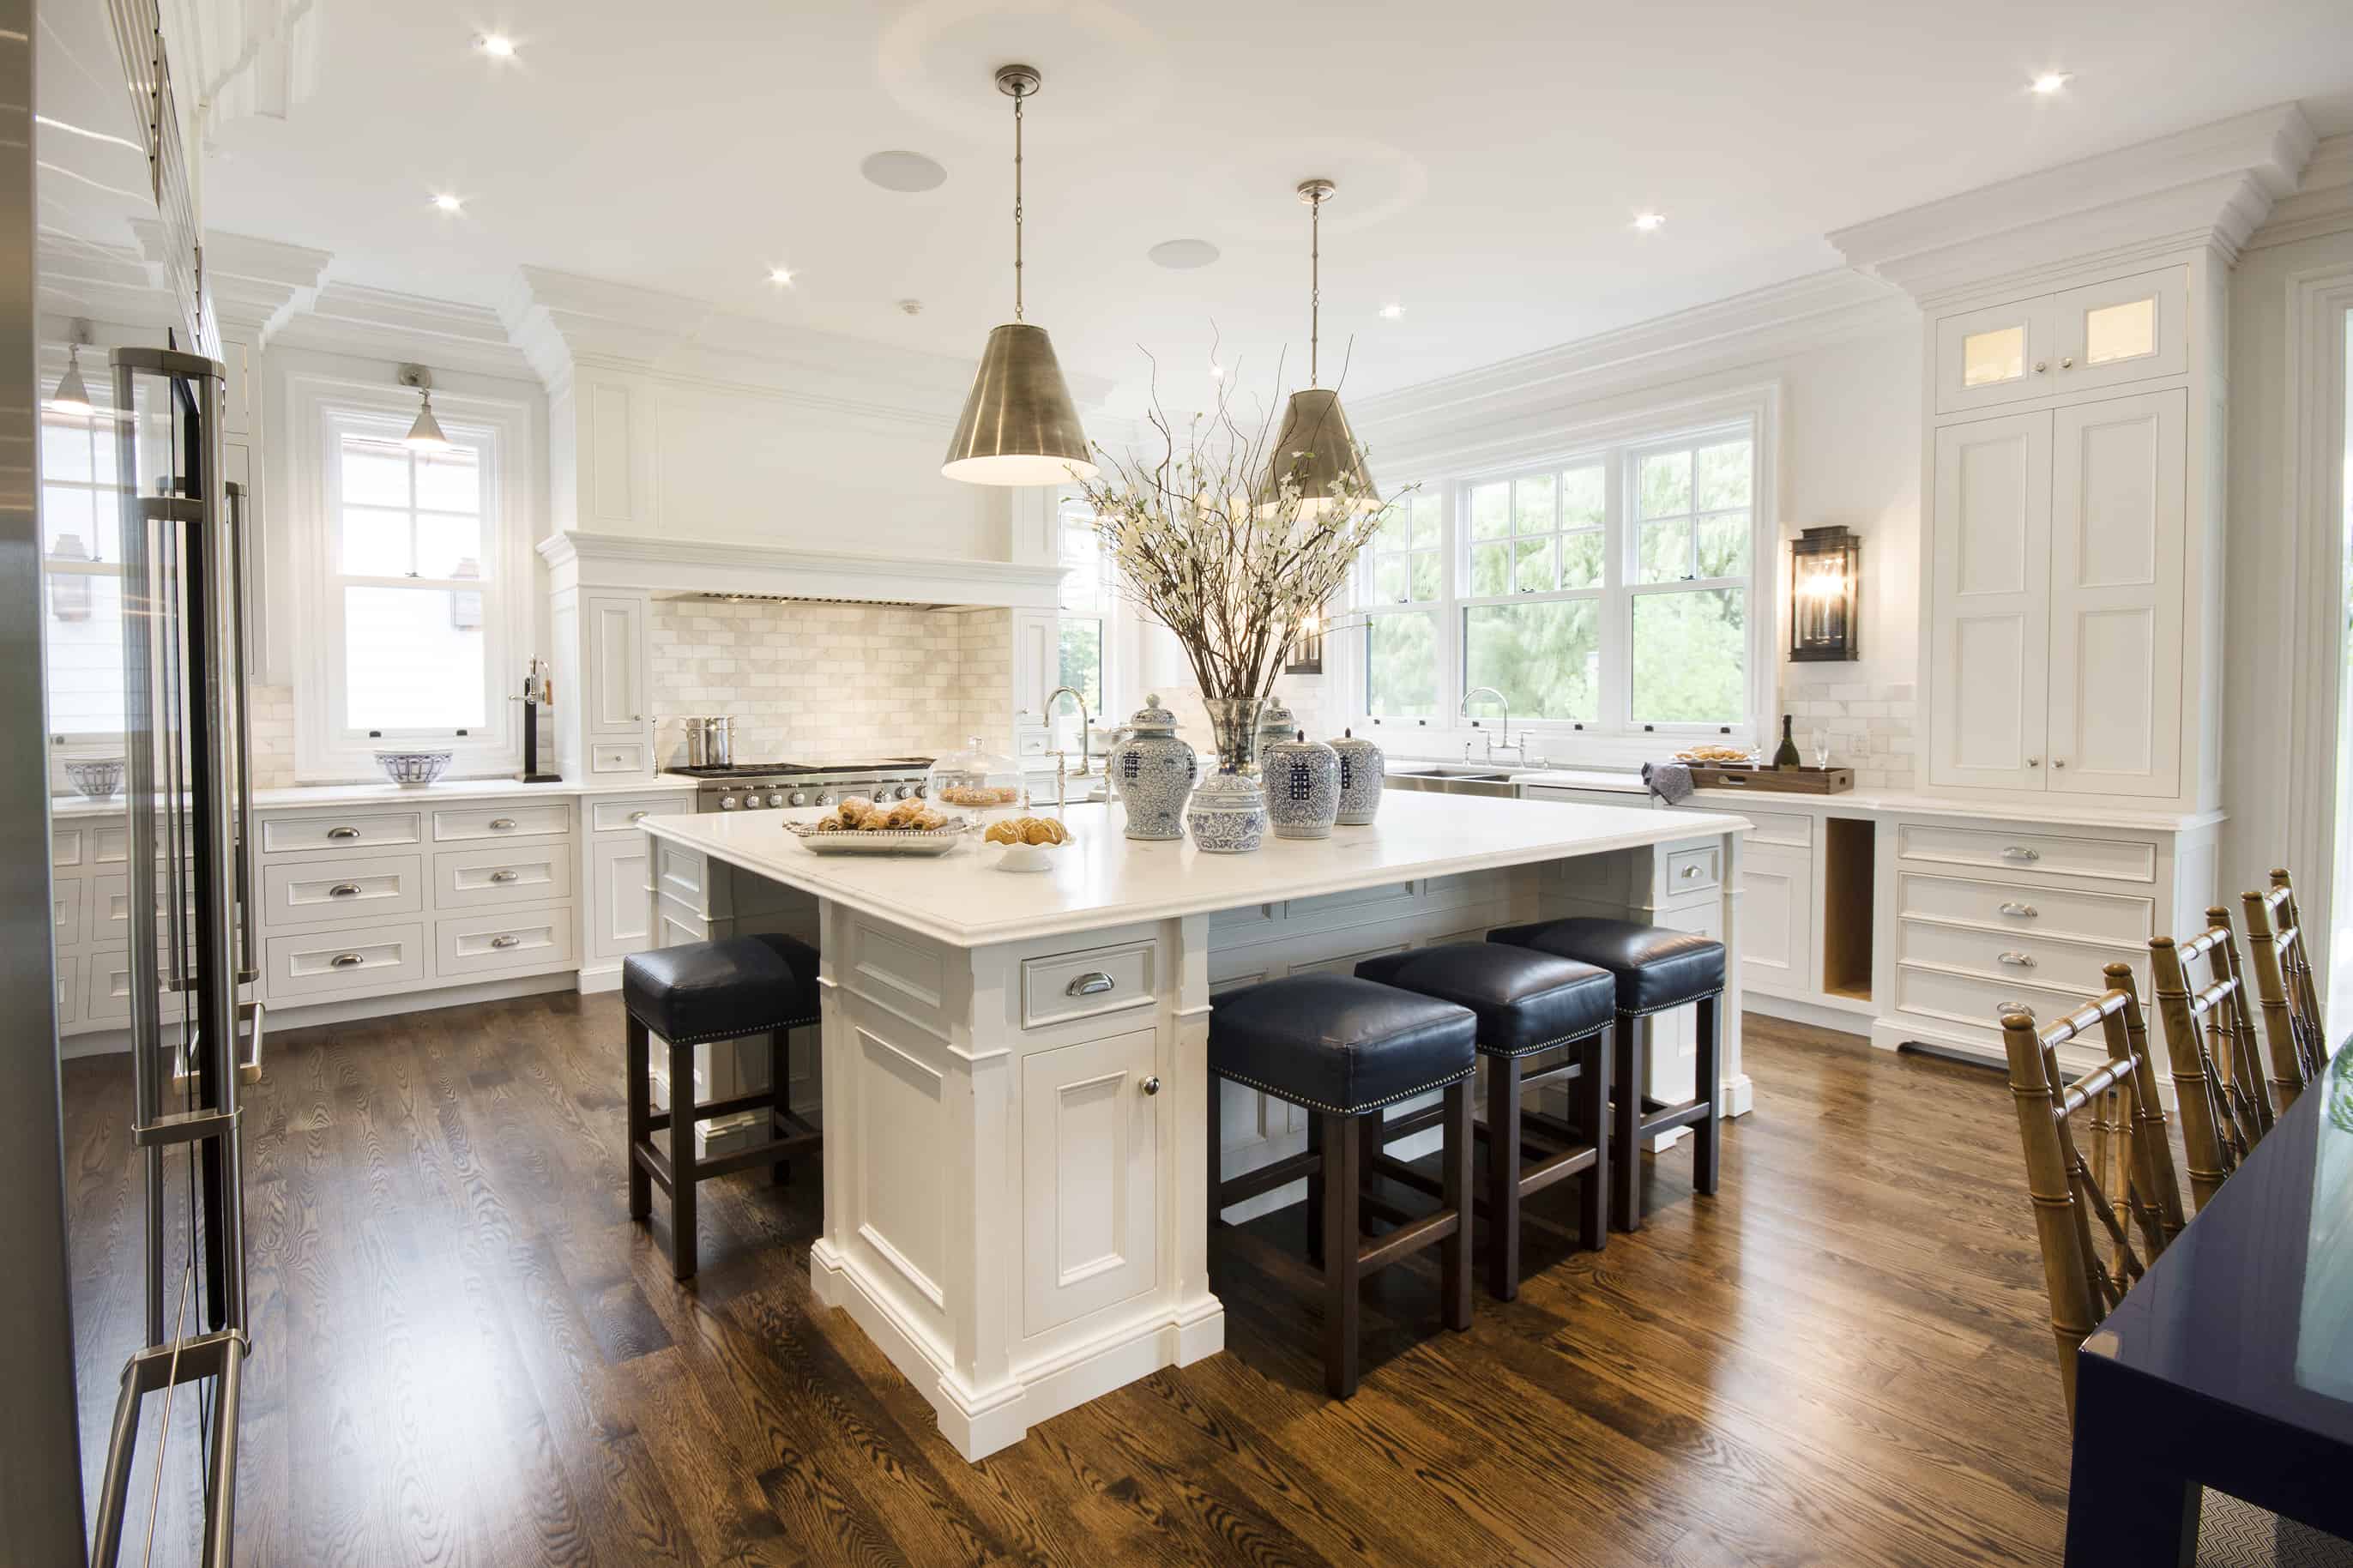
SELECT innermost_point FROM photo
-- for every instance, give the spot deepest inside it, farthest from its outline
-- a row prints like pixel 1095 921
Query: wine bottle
pixel 1786 757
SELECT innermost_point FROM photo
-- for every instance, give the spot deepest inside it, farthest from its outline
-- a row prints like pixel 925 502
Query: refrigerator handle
pixel 248 958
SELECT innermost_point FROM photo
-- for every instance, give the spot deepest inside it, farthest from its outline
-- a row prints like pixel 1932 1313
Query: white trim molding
pixel 2213 184
pixel 691 566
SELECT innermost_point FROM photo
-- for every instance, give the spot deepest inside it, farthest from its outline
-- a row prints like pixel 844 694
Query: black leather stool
pixel 1656 969
pixel 691 994
pixel 1344 1048
pixel 1528 1003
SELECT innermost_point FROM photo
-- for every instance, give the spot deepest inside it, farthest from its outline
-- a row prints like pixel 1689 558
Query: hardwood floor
pixel 464 1354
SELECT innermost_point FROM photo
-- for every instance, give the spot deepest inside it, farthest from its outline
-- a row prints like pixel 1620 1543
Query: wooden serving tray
pixel 1778 781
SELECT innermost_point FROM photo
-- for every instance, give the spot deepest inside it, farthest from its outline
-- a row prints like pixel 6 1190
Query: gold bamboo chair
pixel 2094 1249
pixel 2284 986
pixel 2209 1038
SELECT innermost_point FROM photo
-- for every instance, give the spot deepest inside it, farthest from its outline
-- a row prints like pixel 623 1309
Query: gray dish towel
pixel 1671 782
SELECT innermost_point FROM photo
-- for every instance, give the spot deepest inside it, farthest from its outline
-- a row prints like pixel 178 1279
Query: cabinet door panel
pixel 1989 601
pixel 2126 329
pixel 2118 472
pixel 1036 663
pixel 1091 1177
pixel 616 633
pixel 1998 355
pixel 1777 920
pixel 621 904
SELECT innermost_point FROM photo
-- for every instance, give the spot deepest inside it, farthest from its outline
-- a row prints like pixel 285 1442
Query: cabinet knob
pixel 2058 761
pixel 504 876
pixel 2039 367
pixel 636 717
pixel 344 890
pixel 343 833
pixel 2034 762
pixel 1150 1086
pixel 2015 960
pixel 2068 363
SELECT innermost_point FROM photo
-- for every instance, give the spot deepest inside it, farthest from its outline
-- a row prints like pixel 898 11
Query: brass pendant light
pixel 1019 425
pixel 1315 448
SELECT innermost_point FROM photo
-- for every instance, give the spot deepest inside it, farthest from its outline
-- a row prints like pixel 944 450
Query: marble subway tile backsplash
pixel 1873 723
pixel 812 682
pixel 269 724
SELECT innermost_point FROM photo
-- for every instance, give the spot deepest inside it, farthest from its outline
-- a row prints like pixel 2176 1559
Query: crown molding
pixel 87 279
pixel 379 323
pixel 257 285
pixel 2212 184
pixel 1805 313
pixel 2322 203
pixel 662 565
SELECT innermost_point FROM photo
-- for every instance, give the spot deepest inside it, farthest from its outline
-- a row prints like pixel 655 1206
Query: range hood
pixel 722 569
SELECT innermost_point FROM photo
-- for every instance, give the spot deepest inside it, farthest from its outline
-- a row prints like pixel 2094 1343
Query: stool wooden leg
pixel 1593 1118
pixel 1316 1144
pixel 682 1161
pixel 640 1091
pixel 1454 1251
pixel 1503 1177
pixel 780 1095
pixel 1344 1154
pixel 1626 1123
pixel 1705 1157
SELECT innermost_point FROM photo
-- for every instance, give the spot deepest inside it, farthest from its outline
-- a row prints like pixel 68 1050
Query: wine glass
pixel 1822 741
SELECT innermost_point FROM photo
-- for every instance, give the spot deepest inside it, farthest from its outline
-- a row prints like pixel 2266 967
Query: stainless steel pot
pixel 710 740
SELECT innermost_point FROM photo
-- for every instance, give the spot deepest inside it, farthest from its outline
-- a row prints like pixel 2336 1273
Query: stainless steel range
pixel 756 787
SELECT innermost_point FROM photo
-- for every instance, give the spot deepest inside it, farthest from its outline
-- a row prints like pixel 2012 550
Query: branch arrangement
pixel 1236 568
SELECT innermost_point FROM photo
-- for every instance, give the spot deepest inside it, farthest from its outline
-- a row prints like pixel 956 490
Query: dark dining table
pixel 2230 1364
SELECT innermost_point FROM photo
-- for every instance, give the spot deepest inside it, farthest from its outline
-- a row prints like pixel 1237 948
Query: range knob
pixel 727 803
pixel 921 791
pixel 825 797
pixel 800 797
pixel 775 800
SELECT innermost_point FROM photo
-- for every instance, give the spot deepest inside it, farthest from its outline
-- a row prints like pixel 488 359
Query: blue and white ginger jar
pixel 1363 774
pixel 1302 778
pixel 1153 772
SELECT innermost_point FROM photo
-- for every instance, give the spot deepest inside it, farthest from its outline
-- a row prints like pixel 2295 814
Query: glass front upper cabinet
pixel 2124 330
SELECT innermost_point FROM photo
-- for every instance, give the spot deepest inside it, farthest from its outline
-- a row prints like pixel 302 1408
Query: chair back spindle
pixel 2209 1043
pixel 2090 1255
pixel 2284 988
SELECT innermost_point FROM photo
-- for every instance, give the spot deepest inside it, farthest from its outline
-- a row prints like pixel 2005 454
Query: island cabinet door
pixel 1090 1176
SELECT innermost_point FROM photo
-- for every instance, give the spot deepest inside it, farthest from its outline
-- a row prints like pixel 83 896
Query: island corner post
pixel 1013 1079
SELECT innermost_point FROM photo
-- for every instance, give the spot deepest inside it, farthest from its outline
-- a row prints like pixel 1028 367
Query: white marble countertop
pixel 66 805
pixel 1103 879
pixel 1910 803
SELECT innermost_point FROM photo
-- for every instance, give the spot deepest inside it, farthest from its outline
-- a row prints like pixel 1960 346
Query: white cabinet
pixel 2075 341
pixel 1091 1187
pixel 620 896
pixel 2056 593
pixel 1037 669
pixel 614 629
pixel 1777 922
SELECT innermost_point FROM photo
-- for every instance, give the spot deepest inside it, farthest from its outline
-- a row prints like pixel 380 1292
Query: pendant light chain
pixel 1016 205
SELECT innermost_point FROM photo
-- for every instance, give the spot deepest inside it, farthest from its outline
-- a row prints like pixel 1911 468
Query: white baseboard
pixel 1850 1018
pixel 285 1016
pixel 603 976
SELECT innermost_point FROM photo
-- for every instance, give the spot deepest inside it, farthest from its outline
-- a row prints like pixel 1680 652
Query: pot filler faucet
pixel 1519 751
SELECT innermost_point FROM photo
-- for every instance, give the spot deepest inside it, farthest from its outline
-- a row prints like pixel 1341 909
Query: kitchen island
pixel 1014 1066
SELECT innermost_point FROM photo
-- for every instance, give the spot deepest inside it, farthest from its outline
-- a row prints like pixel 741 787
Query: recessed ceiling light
pixel 780 274
pixel 1182 255
pixel 902 171
pixel 1392 310
pixel 1649 223
pixel 448 203
pixel 2050 82
pixel 498 46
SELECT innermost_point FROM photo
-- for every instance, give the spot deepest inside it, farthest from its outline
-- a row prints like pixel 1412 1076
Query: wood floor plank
pixel 465 1354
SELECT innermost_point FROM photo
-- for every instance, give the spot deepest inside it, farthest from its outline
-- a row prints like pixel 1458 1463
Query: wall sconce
pixel 1306 656
pixel 1825 578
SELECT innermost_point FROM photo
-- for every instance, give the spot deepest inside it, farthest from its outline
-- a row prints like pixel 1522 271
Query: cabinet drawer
pixel 340 831
pixel 502 940
pixel 1792 828
pixel 106 986
pixel 317 963
pixel 623 816
pixel 684 876
pixel 1085 985
pixel 65 910
pixel 109 914
pixel 617 757
pixel 459 824
pixel 2000 957
pixel 347 888
pixel 1697 869
pixel 528 873
pixel 1970 999
pixel 2029 911
pixel 68 846
pixel 2028 854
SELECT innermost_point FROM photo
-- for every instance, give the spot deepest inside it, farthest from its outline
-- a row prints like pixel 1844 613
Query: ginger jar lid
pixel 1350 741
pixel 1152 719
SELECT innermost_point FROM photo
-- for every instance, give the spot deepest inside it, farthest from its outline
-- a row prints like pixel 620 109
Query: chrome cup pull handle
pixel 2020 852
pixel 2023 912
pixel 345 960
pixel 500 824
pixel 640 815
pixel 503 876
pixel 343 833
pixel 508 939
pixel 344 890
pixel 1094 984
pixel 2015 960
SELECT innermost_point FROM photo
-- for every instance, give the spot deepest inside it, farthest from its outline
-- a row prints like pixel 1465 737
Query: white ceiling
pixel 1490 157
